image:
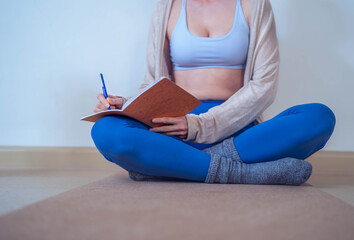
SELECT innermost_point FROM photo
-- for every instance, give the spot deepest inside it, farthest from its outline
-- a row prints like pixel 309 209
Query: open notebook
pixel 161 98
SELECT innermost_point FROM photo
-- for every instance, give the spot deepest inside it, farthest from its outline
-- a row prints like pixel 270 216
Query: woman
pixel 226 54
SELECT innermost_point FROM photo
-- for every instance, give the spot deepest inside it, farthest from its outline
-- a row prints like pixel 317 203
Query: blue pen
pixel 104 89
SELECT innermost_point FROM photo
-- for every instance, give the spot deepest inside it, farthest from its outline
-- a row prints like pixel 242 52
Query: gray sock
pixel 226 148
pixel 226 166
pixel 285 171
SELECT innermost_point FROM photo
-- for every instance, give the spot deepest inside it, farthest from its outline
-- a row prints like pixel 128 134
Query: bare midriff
pixel 210 83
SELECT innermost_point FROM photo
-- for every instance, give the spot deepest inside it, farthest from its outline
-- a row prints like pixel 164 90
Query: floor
pixel 22 187
pixel 28 176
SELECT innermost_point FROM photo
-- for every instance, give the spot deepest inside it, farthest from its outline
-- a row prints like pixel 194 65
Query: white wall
pixel 316 40
pixel 51 53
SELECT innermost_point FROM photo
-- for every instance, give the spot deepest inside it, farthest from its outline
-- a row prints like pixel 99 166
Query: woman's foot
pixel 285 171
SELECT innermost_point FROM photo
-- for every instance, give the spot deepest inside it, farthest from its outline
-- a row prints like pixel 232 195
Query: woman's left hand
pixel 175 126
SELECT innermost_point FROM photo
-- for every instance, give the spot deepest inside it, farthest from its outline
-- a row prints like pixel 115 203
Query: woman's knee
pixel 112 134
pixel 321 122
pixel 101 127
pixel 324 117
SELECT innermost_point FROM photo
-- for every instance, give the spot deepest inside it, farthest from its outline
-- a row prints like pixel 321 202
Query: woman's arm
pixel 258 94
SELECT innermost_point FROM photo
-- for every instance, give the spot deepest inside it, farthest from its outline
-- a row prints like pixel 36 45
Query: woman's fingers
pixel 111 100
pixel 176 126
pixel 99 107
pixel 118 101
pixel 168 128
pixel 163 128
pixel 115 102
pixel 182 134
pixel 168 120
pixel 103 100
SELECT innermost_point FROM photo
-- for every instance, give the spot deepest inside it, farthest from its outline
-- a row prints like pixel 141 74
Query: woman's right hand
pixel 115 102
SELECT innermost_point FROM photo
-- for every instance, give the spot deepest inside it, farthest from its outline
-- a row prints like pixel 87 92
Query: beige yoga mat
pixel 120 208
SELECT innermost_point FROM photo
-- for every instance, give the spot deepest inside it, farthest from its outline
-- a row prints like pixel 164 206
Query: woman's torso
pixel 212 19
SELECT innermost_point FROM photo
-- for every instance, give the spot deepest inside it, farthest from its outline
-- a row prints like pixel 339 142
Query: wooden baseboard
pixel 53 157
pixel 323 162
pixel 332 162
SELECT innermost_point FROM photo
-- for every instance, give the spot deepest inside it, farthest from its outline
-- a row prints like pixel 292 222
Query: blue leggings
pixel 297 132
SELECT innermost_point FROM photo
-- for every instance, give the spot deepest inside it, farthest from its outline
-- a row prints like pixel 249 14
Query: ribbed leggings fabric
pixel 297 132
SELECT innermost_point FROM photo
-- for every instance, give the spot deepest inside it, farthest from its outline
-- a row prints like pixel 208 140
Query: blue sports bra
pixel 229 51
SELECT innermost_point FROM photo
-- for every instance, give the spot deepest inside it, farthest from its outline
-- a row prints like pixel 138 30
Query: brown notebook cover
pixel 162 98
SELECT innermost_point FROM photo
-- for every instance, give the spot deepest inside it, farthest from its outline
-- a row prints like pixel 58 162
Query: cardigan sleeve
pixel 245 105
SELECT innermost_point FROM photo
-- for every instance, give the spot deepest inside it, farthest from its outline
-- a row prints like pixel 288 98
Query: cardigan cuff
pixel 192 127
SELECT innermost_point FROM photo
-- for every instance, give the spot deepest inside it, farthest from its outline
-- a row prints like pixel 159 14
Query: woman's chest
pixel 206 20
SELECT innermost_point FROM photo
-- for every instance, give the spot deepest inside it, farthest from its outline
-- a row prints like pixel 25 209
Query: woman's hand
pixel 176 126
pixel 115 102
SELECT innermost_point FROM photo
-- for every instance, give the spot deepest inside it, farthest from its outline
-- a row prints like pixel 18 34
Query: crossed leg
pixel 132 146
pixel 297 132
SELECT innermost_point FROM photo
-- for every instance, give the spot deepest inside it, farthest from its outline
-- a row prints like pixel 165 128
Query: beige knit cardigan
pixel 260 78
